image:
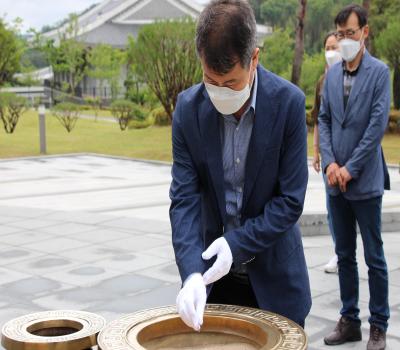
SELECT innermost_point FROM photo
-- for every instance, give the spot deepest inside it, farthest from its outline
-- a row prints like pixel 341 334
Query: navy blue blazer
pixel 269 240
pixel 352 137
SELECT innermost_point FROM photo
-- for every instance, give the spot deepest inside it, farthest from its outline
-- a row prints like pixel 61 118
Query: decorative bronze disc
pixel 52 330
pixel 224 327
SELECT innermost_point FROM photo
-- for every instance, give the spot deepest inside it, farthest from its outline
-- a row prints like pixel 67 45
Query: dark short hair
pixel 344 14
pixel 328 35
pixel 226 34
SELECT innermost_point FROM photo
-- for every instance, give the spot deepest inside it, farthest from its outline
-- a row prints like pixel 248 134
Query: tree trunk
pixel 396 87
pixel 368 43
pixel 299 47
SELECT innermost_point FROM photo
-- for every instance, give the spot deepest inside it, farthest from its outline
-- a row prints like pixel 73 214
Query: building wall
pixel 113 34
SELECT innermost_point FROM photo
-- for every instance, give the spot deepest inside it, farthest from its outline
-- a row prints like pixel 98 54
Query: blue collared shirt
pixel 235 144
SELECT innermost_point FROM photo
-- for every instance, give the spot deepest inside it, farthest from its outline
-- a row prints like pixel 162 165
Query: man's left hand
pixel 222 265
pixel 345 178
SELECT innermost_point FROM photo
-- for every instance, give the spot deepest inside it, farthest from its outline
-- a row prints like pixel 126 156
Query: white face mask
pixel 227 101
pixel 332 57
pixel 349 48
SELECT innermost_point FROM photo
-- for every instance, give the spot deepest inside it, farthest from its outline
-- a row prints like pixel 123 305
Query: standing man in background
pixel 239 176
pixel 352 121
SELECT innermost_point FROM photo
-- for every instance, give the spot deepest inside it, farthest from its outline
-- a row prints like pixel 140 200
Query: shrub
pixel 67 114
pixel 11 108
pixel 126 111
pixel 394 121
pixel 122 111
pixel 160 117
pixel 136 124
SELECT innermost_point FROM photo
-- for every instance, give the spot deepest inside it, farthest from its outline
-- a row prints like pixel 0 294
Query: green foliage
pixel 95 104
pixel 126 111
pixel 165 59
pixel 136 124
pixel 278 13
pixel 394 121
pixel 10 53
pixel 68 56
pixel 160 117
pixel 277 53
pixel 105 65
pixel 67 114
pixel 388 45
pixel 11 108
pixel 312 69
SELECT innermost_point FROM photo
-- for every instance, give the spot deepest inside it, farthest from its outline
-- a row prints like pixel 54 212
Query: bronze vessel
pixel 225 327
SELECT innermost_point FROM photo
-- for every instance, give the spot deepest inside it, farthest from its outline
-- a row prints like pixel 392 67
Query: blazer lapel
pixel 261 134
pixel 338 91
pixel 362 76
pixel 209 121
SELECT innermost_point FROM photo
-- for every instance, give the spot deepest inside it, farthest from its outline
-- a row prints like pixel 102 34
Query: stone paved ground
pixel 92 233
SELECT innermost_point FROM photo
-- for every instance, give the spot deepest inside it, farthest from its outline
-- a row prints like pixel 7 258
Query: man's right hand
pixel 331 172
pixel 191 301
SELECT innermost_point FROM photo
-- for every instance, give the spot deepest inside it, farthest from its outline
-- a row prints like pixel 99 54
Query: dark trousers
pixel 230 290
pixel 367 213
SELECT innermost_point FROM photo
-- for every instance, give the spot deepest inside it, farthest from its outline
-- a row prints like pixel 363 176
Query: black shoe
pixel 377 339
pixel 345 331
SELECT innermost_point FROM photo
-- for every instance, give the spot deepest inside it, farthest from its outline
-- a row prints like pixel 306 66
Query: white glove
pixel 222 265
pixel 191 301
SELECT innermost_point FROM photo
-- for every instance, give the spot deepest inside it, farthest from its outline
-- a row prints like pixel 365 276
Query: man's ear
pixel 366 31
pixel 255 57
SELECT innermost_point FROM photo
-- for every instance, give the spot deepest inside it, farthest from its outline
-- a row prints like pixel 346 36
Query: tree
pixel 10 53
pixel 95 103
pixel 105 65
pixel 256 5
pixel 299 45
pixel 278 13
pixel 165 58
pixel 367 4
pixel 68 55
pixel 311 71
pixel 126 111
pixel 277 52
pixel 67 114
pixel 319 20
pixel 380 13
pixel 388 45
pixel 11 108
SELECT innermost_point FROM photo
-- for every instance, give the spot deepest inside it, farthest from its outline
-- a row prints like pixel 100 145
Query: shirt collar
pixel 254 93
pixel 354 72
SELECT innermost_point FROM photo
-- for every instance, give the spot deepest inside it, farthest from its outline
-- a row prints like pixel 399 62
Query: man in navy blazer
pixel 239 176
pixel 352 121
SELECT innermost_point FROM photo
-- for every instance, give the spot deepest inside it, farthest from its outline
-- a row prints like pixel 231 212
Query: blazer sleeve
pixel 185 209
pixel 282 212
pixel 325 129
pixel 373 135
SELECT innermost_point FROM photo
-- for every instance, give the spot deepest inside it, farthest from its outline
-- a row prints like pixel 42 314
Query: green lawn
pixel 88 136
pixel 100 113
pixel 101 137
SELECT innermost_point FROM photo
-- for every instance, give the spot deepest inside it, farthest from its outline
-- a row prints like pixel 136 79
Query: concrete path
pixel 92 233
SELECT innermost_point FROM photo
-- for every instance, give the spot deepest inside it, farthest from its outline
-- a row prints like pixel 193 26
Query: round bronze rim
pixel 50 330
pixel 267 330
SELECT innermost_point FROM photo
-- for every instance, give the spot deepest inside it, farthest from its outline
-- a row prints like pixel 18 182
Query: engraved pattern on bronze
pixel 287 335
pixel 46 330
